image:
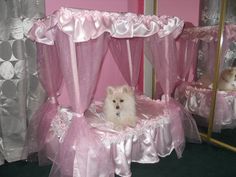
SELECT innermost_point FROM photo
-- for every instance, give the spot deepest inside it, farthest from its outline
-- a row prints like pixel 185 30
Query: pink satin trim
pixel 83 25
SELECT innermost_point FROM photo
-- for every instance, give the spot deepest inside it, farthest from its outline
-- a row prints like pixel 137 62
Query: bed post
pixel 52 98
pixel 130 61
pixel 75 76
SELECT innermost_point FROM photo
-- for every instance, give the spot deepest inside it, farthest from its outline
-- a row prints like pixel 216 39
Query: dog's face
pixel 119 106
pixel 229 74
pixel 119 97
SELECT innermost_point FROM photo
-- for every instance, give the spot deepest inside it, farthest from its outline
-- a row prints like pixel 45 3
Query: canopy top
pixel 83 25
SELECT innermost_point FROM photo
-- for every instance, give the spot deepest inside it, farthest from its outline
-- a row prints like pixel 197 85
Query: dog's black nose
pixel 117 107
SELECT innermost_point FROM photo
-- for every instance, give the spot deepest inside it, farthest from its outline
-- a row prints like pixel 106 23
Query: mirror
pixel 225 113
pixel 203 58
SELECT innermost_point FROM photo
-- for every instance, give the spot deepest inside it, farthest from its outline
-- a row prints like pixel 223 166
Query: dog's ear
pixel 110 90
pixel 126 89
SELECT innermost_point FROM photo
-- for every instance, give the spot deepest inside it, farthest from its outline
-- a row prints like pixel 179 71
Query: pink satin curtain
pixel 127 54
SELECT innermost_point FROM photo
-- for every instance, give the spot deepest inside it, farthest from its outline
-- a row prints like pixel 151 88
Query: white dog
pixel 227 80
pixel 119 106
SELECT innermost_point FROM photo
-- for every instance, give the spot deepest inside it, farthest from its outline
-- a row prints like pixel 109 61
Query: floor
pixel 199 160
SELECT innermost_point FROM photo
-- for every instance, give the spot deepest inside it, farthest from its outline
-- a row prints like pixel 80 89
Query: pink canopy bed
pixel 196 94
pixel 71 45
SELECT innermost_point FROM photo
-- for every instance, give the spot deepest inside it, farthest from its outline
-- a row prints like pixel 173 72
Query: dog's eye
pixel 114 101
pixel 121 101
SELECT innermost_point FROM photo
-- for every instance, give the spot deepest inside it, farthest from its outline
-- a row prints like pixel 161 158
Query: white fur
pixel 119 106
pixel 227 79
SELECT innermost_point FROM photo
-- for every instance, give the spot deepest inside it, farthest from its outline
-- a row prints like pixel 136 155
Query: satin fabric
pixel 197 100
pixel 80 146
pixel 83 25
pixel 156 135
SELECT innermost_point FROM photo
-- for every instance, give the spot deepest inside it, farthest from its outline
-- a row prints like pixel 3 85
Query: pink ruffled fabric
pixel 158 132
pixel 83 25
pixel 197 100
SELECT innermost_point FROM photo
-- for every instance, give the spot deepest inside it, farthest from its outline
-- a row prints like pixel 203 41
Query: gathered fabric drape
pixel 164 62
pixel 21 93
pixel 187 53
pixel 163 58
pixel 51 79
pixel 127 54
pixel 81 67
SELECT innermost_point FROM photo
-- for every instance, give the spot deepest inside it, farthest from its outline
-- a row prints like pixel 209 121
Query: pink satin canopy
pixel 78 141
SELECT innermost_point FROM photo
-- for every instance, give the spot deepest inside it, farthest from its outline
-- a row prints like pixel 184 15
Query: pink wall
pixel 110 74
pixel 188 10
pixel 106 5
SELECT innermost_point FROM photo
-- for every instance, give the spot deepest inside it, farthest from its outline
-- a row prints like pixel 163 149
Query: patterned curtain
pixel 20 91
pixel 210 15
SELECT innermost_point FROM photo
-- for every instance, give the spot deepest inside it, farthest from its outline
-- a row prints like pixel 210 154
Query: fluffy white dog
pixel 119 106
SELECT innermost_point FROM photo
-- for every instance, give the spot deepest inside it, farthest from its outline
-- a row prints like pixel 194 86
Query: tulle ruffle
pixel 159 131
pixel 83 25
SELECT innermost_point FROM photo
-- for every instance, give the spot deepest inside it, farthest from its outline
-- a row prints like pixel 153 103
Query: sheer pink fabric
pixel 163 57
pixel 164 61
pixel 187 54
pixel 81 75
pixel 81 66
pixel 82 38
pixel 127 54
pixel 50 78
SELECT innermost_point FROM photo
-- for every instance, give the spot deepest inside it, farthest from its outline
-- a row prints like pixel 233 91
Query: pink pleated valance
pixel 83 25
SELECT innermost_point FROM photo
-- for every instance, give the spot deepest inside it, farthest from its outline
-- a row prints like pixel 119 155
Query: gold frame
pixel 154 89
pixel 208 137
